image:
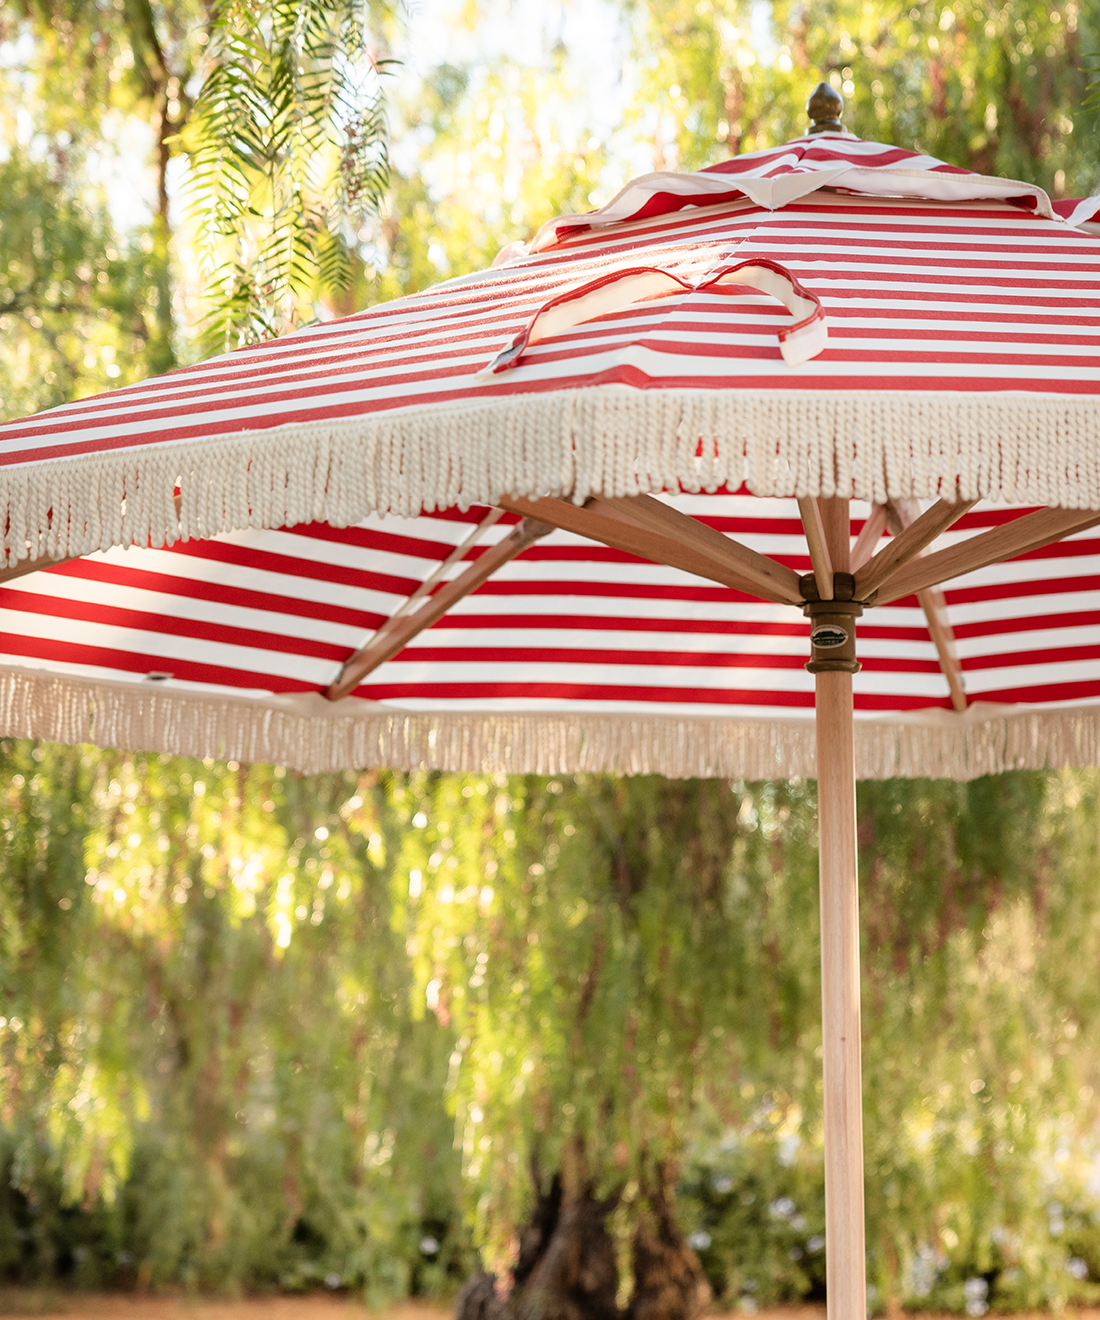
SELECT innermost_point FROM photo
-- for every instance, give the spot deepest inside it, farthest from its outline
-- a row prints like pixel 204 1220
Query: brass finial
pixel 825 107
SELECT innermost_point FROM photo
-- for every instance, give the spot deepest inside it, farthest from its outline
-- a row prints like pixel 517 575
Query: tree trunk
pixel 669 1283
pixel 160 354
pixel 576 1277
pixel 567 1268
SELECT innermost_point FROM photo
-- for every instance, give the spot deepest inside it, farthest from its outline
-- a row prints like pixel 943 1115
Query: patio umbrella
pixel 569 513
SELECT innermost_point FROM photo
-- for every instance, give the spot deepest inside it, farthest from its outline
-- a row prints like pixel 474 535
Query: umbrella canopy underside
pixel 572 656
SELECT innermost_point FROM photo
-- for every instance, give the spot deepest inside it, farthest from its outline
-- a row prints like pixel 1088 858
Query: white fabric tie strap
pixel 799 342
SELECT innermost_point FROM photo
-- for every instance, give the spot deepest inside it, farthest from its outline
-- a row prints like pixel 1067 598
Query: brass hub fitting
pixel 833 635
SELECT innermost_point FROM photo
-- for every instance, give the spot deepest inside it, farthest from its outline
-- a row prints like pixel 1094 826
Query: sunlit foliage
pixel 287 154
pixel 632 969
pixel 75 310
pixel 206 1042
pixel 274 114
pixel 244 1011
pixel 999 90
pixel 111 82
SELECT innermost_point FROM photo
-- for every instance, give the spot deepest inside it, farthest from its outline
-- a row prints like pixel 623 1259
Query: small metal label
pixel 828 637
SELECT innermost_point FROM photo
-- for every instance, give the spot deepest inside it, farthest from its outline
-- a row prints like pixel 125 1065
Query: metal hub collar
pixel 832 625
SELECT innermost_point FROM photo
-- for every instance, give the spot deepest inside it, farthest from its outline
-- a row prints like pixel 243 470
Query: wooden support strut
pixel 1029 532
pixel 943 639
pixel 25 566
pixel 436 577
pixel 647 527
pixel 869 536
pixel 822 562
pixel 907 544
pixel 396 633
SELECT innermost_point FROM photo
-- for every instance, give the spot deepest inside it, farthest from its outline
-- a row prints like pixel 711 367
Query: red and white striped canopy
pixel 281 502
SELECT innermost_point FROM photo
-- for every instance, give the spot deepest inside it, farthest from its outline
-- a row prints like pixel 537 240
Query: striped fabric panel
pixel 919 296
pixel 568 626
pixel 816 151
pixel 780 175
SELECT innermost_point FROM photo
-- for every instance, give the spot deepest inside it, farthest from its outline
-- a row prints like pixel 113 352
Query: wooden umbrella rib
pixel 434 578
pixel 396 633
pixel 943 638
pixel 869 536
pixel 643 526
pixel 898 515
pixel 822 562
pixel 836 523
pixel 681 528
pixel 908 544
pixel 25 566
pixel 1029 532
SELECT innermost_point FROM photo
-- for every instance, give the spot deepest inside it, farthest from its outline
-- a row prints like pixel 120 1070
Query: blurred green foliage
pixel 270 1030
pixel 74 309
pixel 997 89
pixel 87 85
pixel 188 1094
pixel 273 111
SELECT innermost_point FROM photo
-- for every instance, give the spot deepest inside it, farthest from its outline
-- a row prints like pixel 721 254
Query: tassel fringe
pixel 611 440
pixel 308 734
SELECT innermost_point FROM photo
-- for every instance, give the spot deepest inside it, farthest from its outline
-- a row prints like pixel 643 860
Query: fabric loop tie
pixel 799 342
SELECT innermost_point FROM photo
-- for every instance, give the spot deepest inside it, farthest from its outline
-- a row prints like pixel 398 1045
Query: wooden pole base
pixel 841 1053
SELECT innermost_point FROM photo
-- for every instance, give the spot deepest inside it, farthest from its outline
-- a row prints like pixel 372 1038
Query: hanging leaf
pixel 288 154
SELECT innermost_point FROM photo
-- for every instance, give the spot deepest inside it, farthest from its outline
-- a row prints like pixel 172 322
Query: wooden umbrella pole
pixel 833 662
pixel 840 1025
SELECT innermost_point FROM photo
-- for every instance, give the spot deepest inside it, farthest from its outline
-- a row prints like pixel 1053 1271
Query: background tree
pixel 93 65
pixel 999 91
pixel 238 1003
pixel 641 970
pixel 270 116
pixel 209 1074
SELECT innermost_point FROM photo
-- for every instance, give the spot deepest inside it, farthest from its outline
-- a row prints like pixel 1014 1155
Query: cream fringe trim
pixel 308 734
pixel 612 440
